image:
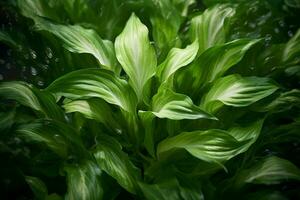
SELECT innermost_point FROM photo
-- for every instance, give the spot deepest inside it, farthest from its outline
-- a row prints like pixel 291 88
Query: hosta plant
pixel 154 114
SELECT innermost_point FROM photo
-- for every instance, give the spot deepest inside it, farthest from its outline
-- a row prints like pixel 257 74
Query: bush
pixel 150 100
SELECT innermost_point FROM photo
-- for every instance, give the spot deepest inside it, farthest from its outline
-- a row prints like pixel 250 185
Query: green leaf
pixel 59 137
pixel 211 145
pixel 213 63
pixel 248 133
pixel 176 59
pixel 293 3
pixel 171 105
pixel 29 96
pixel 38 188
pixel 136 54
pixel 93 108
pixel 88 83
pixel 84 181
pixel 6 38
pixel 210 27
pixel 148 121
pixel 34 8
pixel 171 189
pixel 6 120
pixel 166 21
pixel 81 40
pixel 233 90
pixel 116 163
pixel 291 50
pixel 271 170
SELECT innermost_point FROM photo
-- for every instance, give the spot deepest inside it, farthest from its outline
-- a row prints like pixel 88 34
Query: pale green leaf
pixel 88 83
pixel 116 163
pixel 84 181
pixel 211 145
pixel 233 90
pixel 210 27
pixel 176 59
pixel 271 170
pixel 29 96
pixel 136 54
pixel 82 40
pixel 171 105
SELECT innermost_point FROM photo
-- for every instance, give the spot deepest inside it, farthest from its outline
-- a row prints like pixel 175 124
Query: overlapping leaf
pixel 29 96
pixel 271 170
pixel 93 108
pixel 213 63
pixel 59 137
pixel 136 54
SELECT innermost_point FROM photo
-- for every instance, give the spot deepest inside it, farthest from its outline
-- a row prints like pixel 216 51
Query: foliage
pixel 146 99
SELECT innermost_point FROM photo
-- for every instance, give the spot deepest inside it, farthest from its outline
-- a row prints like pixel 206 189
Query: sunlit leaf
pixel 136 54
pixel 171 105
pixel 236 91
pixel 210 27
pixel 211 145
pixel 176 59
pixel 82 40
pixel 88 83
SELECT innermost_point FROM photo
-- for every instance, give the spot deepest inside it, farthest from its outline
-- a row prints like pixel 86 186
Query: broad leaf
pixel 59 137
pixel 236 91
pixel 136 54
pixel 84 181
pixel 166 21
pixel 171 105
pixel 88 83
pixel 213 63
pixel 176 59
pixel 38 188
pixel 29 96
pixel 211 146
pixel 291 50
pixel 81 40
pixel 93 108
pixel 271 170
pixel 6 38
pixel 116 163
pixel 210 27
pixel 171 189
pixel 248 133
